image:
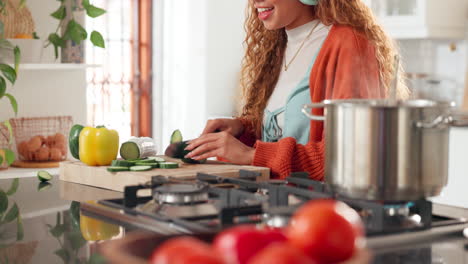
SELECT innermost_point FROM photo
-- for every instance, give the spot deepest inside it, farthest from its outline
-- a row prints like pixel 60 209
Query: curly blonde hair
pixel 265 50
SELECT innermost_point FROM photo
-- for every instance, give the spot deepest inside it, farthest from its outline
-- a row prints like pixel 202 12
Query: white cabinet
pixel 417 19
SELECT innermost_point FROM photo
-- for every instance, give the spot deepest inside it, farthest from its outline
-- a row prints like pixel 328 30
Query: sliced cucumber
pixel 140 168
pixel 168 165
pixel 146 161
pixel 122 163
pixel 176 136
pixel 157 159
pixel 154 165
pixel 44 176
pixel 129 151
pixel 117 169
pixel 43 185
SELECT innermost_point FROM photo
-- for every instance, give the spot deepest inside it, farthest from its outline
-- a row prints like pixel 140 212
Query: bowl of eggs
pixel 41 139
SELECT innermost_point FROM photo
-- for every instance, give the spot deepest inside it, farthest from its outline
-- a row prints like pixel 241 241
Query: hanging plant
pixel 8 74
pixel 70 29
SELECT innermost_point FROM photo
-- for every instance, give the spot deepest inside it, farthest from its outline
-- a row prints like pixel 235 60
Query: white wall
pixel 197 63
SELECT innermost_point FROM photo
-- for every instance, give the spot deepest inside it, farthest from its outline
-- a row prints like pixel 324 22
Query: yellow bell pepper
pixel 98 146
pixel 95 230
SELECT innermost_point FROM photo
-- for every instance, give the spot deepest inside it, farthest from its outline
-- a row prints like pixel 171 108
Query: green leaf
pixel 76 239
pixel 3 202
pixel 10 130
pixel 94 11
pixel 13 102
pixel 22 3
pixel 12 214
pixel 77 32
pixel 60 13
pixel 10 156
pixel 1 160
pixel 17 53
pixel 85 3
pixel 20 230
pixel 97 39
pixel 58 230
pixel 55 39
pixel 2 86
pixel 13 188
pixel 63 254
pixel 2 29
pixel 8 72
pixel 5 43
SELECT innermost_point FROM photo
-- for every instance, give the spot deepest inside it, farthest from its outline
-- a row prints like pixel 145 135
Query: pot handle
pixel 436 123
pixel 306 111
pixel 457 120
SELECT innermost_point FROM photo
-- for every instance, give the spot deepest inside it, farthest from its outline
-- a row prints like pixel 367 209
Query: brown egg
pixel 42 154
pixel 50 141
pixel 43 139
pixel 29 155
pixel 60 138
pixel 34 144
pixel 23 148
pixel 62 147
pixel 55 154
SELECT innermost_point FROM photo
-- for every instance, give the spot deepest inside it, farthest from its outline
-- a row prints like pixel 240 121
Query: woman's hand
pixel 223 145
pixel 232 126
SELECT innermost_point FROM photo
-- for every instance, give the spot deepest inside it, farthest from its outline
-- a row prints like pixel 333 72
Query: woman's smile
pixel 264 12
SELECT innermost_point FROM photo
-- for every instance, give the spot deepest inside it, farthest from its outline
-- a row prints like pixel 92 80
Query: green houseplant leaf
pixel 75 32
pixel 12 214
pixel 2 86
pixel 93 11
pixel 10 156
pixel 13 188
pixel 17 53
pixel 3 202
pixel 14 103
pixel 63 254
pixel 60 13
pixel 97 39
pixel 8 72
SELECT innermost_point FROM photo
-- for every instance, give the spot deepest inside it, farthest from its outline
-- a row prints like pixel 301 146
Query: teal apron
pixel 296 124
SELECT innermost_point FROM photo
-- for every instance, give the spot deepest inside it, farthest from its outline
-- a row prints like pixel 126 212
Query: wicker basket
pixel 42 138
pixel 16 19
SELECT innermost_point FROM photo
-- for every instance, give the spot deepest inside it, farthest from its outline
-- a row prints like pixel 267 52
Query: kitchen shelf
pixel 56 66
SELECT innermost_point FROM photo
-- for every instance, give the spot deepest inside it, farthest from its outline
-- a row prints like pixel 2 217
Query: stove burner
pixel 181 193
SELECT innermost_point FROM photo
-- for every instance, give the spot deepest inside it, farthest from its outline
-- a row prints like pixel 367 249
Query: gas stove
pixel 212 203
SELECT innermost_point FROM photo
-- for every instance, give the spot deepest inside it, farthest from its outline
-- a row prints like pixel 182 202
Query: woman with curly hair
pixel 297 52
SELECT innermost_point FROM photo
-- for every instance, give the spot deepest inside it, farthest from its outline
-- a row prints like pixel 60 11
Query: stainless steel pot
pixel 378 150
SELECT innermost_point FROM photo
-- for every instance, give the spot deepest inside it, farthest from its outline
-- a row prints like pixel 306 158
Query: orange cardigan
pixel 346 67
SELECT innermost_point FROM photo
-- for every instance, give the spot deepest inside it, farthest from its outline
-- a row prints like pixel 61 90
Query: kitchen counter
pixel 40 238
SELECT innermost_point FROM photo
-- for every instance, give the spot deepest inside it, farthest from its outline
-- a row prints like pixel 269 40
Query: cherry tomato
pixel 240 243
pixel 281 253
pixel 183 250
pixel 326 230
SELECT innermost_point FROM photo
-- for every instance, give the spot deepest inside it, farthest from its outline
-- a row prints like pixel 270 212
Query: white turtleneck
pixel 288 80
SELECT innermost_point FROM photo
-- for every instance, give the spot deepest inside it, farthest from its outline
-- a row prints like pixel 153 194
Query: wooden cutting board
pixel 78 172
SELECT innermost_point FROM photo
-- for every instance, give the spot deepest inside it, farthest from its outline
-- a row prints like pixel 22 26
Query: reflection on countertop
pixel 41 222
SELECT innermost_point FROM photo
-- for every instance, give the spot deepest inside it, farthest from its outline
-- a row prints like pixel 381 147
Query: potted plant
pixel 70 33
pixel 7 74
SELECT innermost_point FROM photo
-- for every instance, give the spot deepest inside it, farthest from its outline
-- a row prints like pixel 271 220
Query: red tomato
pixel 281 253
pixel 240 243
pixel 326 230
pixel 183 250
